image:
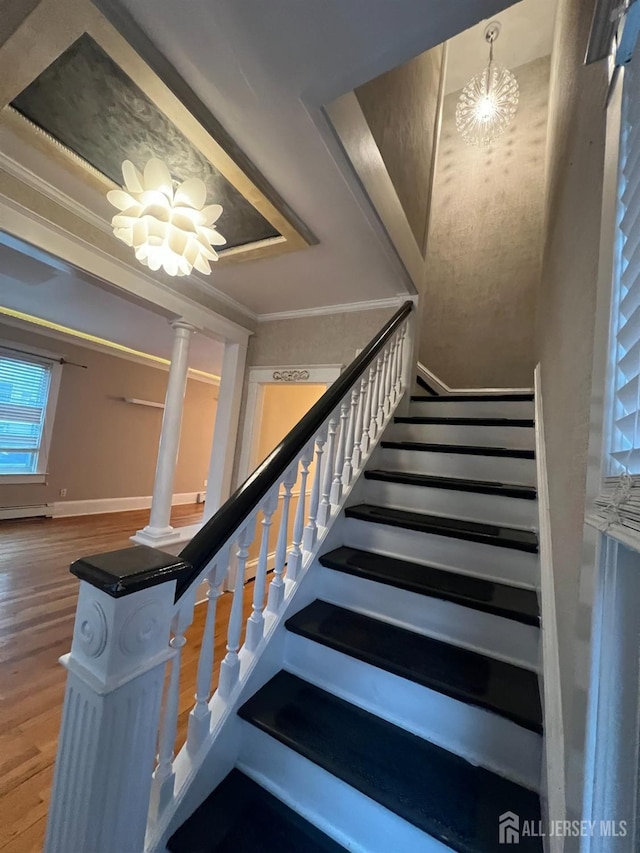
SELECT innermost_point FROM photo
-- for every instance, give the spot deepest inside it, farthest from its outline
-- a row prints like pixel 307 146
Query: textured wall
pixel 566 325
pixel 307 341
pixel 485 246
pixel 401 109
pixel 103 447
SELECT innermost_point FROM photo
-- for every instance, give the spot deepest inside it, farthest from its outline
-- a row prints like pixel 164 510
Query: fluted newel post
pixel 200 716
pixel 324 510
pixel 116 668
pixel 347 470
pixel 336 486
pixel 295 555
pixel 356 459
pixel 310 536
pixel 276 587
pixel 366 420
pixel 255 623
pixel 230 666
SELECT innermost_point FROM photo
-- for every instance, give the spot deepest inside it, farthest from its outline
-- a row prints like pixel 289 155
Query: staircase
pixel 405 713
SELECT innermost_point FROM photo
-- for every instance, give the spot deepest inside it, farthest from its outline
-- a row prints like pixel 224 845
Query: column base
pixel 156 537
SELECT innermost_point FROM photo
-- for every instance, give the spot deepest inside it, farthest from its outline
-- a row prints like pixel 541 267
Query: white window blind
pixel 625 421
pixel 619 500
pixel 25 381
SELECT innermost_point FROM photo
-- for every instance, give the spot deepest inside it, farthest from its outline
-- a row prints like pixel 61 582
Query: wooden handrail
pixel 228 519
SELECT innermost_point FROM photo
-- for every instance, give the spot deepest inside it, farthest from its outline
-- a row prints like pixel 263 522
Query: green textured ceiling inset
pixel 86 102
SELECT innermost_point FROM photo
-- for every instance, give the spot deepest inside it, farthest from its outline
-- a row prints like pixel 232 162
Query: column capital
pixel 179 323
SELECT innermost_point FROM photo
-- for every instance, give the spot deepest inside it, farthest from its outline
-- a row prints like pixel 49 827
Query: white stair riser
pixel 494 509
pixel 473 733
pixel 499 469
pixel 472 629
pixel 477 409
pixel 522 438
pixel 508 565
pixel 351 818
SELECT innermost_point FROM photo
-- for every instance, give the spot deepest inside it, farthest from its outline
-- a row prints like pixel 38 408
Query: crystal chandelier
pixel 489 101
pixel 167 227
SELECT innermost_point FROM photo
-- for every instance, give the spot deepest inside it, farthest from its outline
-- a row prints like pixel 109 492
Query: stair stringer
pixel 198 774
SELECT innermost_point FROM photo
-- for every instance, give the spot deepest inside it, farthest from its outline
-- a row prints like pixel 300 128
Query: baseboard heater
pixel 36 511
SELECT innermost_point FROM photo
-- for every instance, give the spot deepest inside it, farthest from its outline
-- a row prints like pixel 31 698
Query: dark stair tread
pixel 242 817
pixel 472 531
pixel 471 677
pixel 437 791
pixel 465 449
pixel 510 602
pixel 425 385
pixel 459 484
pixel 474 398
pixel 454 421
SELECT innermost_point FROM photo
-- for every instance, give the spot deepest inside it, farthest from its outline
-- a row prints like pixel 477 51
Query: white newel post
pixel 159 530
pixel 408 361
pixel 116 669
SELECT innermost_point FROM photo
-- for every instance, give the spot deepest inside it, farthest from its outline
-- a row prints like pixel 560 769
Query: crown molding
pixel 344 308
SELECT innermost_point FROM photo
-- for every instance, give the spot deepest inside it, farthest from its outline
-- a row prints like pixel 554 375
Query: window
pixel 625 422
pixel 28 388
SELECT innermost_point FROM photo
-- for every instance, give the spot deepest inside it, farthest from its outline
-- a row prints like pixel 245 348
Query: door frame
pixel 259 378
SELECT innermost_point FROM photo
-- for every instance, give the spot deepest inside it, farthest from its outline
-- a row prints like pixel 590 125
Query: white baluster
pixel 375 400
pixel 394 368
pixel 324 511
pixel 162 789
pixel 200 716
pixel 366 419
pixel 356 459
pixel 230 666
pixel 295 554
pixel 276 587
pixel 382 391
pixel 336 486
pixel 255 623
pixel 388 383
pixel 310 536
pixel 347 470
pixel 399 379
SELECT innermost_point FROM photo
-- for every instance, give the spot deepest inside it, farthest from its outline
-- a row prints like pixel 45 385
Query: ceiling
pixel 264 70
pixel 527 34
pixel 34 284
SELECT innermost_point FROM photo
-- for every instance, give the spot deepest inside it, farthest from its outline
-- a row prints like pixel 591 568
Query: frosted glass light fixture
pixel 489 101
pixel 167 227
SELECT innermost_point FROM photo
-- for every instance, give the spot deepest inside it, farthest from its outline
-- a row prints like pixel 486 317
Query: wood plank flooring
pixel 37 607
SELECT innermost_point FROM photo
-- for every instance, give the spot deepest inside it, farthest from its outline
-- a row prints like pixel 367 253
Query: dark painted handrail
pixel 205 544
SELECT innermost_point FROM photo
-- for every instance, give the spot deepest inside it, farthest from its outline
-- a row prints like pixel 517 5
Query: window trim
pixel 40 476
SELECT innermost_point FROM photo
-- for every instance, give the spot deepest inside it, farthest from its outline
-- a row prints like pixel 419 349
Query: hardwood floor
pixel 37 606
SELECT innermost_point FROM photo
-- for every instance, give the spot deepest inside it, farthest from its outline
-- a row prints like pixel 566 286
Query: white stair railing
pixel 118 777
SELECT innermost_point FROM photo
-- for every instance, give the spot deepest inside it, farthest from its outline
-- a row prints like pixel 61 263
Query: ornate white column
pixel 159 531
pixel 116 669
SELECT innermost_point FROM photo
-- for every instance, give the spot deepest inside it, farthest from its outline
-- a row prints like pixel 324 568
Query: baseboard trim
pixel 553 782
pixel 65 509
pixel 444 389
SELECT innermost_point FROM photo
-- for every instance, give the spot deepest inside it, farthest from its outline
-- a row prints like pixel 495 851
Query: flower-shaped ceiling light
pixel 489 101
pixel 167 228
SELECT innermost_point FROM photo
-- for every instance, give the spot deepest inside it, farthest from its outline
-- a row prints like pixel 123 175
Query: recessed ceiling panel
pixel 86 102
